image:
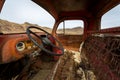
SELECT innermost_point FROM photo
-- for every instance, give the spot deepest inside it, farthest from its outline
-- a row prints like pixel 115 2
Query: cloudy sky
pixel 21 11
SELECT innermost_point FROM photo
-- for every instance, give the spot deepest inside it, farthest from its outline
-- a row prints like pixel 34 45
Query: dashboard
pixel 15 46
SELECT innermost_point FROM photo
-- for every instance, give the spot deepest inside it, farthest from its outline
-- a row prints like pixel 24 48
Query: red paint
pixel 56 50
pixel 8 47
pixel 8 50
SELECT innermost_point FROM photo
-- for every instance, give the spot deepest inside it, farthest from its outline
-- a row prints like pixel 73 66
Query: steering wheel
pixel 45 39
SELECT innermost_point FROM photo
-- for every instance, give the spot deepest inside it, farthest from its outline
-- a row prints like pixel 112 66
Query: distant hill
pixel 7 27
pixel 76 30
pixel 10 27
pixel 26 24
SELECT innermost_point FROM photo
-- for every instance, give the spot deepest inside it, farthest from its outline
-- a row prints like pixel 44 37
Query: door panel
pixel 71 42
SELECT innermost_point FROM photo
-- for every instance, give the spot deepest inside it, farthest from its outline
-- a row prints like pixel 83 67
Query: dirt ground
pixel 69 67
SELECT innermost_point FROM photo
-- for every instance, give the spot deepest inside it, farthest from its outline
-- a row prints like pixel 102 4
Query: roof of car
pixel 76 8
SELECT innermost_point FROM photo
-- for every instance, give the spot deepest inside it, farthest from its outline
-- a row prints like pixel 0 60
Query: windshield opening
pixel 16 15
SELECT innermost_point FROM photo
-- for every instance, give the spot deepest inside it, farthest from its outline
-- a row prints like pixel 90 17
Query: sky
pixel 21 11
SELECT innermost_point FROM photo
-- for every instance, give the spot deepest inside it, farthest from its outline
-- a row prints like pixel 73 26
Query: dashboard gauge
pixel 34 46
pixel 20 46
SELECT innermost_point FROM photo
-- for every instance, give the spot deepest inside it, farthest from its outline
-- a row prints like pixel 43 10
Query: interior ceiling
pixel 76 8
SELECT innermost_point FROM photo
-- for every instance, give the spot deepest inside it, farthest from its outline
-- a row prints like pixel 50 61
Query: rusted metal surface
pixel 8 51
pixel 115 30
pixel 103 54
pixel 1 4
pixel 70 42
pixel 76 8
pixel 8 47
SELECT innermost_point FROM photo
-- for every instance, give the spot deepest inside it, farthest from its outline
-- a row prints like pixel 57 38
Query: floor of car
pixel 44 71
pixel 38 68
pixel 69 67
pixel 72 67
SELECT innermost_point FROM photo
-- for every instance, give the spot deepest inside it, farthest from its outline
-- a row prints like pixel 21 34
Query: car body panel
pixel 8 48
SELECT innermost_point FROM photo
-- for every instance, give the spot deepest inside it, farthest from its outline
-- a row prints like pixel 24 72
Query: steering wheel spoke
pixel 47 40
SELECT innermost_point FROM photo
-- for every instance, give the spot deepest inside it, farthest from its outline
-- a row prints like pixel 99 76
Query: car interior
pixel 23 54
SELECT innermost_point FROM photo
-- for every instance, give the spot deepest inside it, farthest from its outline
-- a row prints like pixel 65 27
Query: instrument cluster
pixel 25 45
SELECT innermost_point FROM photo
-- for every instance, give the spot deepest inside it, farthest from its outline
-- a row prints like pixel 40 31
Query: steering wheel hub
pixel 46 40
